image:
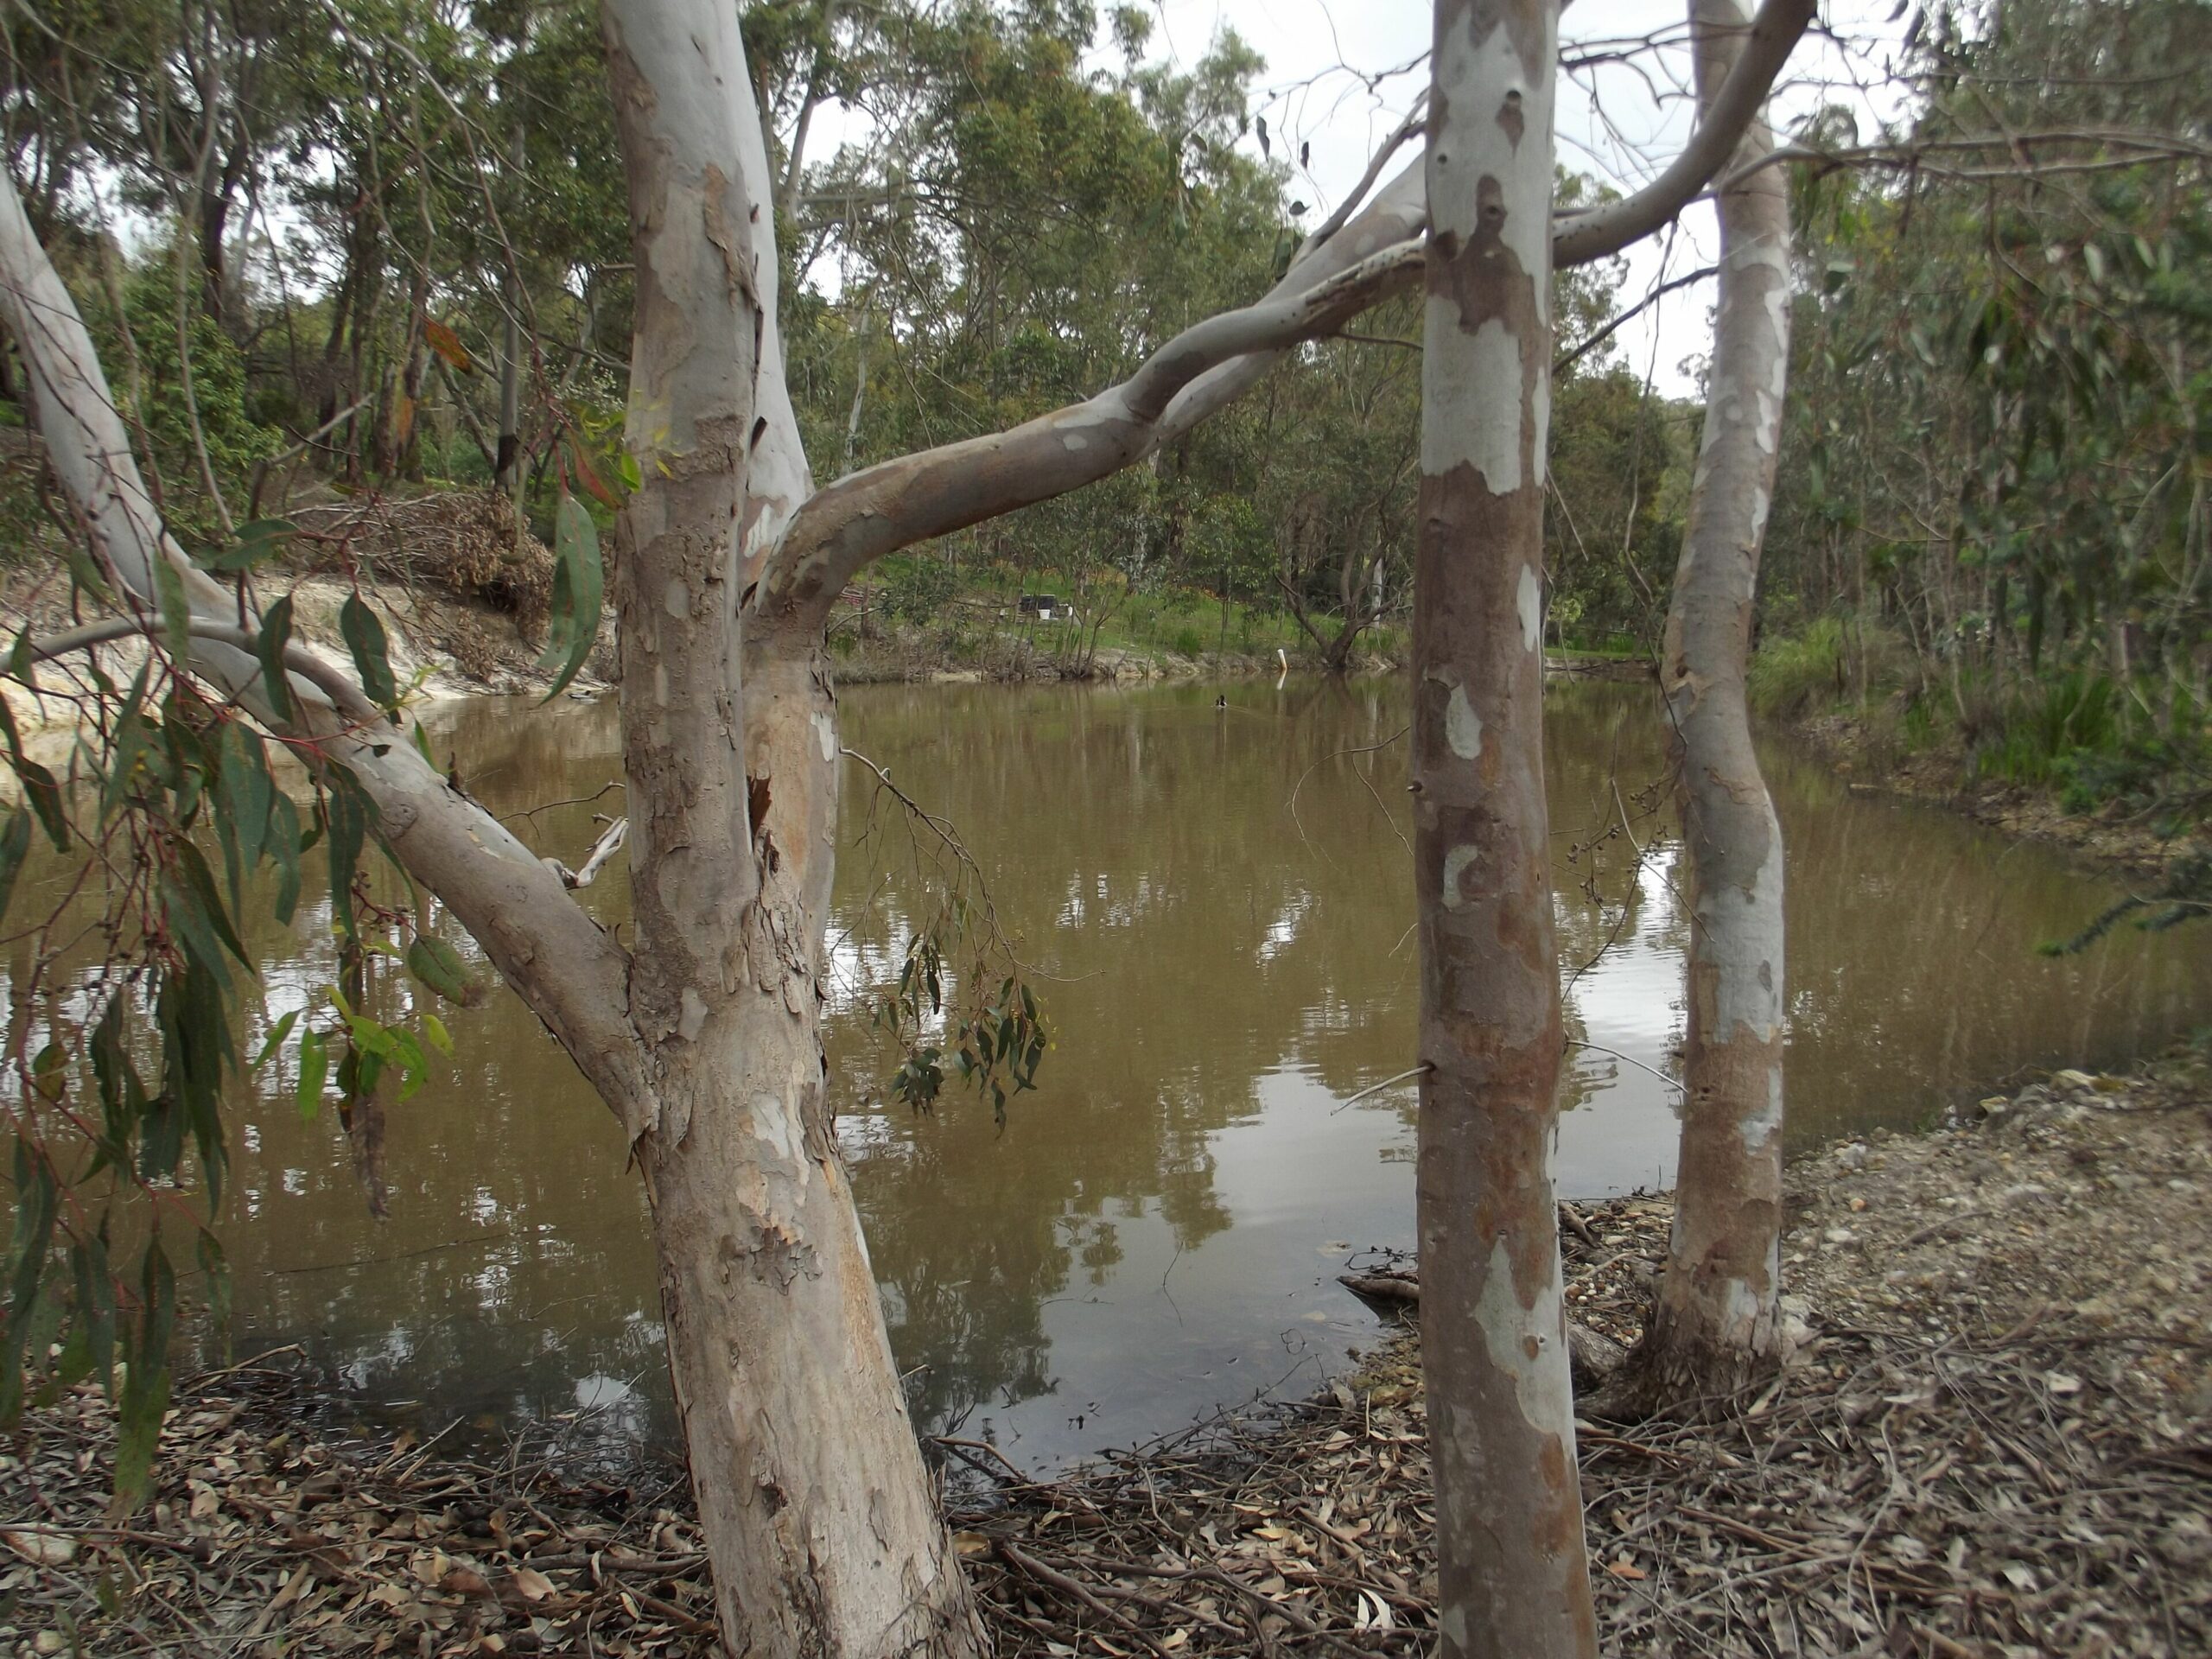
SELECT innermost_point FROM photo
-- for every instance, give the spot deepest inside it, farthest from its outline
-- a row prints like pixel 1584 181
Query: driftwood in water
pixel 1396 1292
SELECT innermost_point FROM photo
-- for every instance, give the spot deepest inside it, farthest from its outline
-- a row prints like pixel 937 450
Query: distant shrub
pixel 2048 729
pixel 1797 672
pixel 1189 642
pixel 917 591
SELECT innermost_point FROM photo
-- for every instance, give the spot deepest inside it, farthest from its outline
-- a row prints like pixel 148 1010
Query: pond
pixel 1218 903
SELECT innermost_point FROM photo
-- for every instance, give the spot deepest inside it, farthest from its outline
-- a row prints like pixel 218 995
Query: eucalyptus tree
pixel 1513 1573
pixel 2003 347
pixel 1715 1321
pixel 698 1027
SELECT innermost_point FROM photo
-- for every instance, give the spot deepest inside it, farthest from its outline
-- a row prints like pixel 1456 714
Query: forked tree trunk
pixel 817 1512
pixel 1715 1326
pixel 1513 1579
pixel 702 1035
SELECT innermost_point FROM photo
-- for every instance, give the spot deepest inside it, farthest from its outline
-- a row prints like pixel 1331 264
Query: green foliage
pixel 578 583
pixel 916 590
pixel 1792 674
pixel 2048 725
pixel 1000 1042
pixel 119 1099
pixel 994 1039
pixel 154 347
pixel 2163 778
pixel 2000 387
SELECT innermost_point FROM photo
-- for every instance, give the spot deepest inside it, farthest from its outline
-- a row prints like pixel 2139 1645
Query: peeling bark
pixel 1715 1326
pixel 818 1514
pixel 1512 1575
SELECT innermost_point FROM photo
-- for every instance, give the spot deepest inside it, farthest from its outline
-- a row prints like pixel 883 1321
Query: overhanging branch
pixel 2023 154
pixel 1609 228
pixel 573 976
pixel 883 508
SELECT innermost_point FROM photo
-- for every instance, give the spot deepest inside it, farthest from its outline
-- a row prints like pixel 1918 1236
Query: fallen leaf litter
pixel 1995 1439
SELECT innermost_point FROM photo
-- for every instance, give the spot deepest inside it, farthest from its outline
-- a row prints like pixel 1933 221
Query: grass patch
pixel 2046 730
pixel 1793 674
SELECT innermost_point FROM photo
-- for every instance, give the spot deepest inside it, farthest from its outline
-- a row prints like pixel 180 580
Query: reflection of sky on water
pixel 1157 1230
pixel 1623 1133
pixel 1304 1181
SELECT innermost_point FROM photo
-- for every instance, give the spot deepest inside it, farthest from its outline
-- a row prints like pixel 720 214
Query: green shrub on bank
pixel 2042 729
pixel 1793 674
pixel 2165 777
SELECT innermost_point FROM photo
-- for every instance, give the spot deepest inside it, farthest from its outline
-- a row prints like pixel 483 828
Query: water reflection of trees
pixel 1143 846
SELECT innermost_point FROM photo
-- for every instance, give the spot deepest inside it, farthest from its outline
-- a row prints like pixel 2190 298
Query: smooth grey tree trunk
pixel 1513 1578
pixel 1715 1326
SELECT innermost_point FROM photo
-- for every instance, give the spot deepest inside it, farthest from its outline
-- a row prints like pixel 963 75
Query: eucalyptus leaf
pixel 364 637
pixel 578 593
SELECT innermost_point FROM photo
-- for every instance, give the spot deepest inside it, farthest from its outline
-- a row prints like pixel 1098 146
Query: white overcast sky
pixel 1619 122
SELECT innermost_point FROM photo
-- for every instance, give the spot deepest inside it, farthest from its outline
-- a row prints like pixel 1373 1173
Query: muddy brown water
pixel 1222 900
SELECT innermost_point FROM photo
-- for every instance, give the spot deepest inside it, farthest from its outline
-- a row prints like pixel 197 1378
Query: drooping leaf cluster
pixel 128 884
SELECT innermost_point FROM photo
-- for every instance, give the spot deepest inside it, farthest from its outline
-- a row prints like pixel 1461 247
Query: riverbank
pixel 463 591
pixel 1867 756
pixel 1994 1438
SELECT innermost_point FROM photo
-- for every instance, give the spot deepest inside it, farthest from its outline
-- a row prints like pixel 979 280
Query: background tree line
pixel 379 251
pixel 1992 525
pixel 377 248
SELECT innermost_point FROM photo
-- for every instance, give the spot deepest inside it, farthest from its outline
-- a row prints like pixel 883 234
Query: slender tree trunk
pixel 507 468
pixel 818 1514
pixel 1715 1325
pixel 334 342
pixel 795 163
pixel 1514 1581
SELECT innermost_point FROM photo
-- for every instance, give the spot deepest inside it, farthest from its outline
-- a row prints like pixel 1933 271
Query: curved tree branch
pixel 1416 119
pixel 878 511
pixel 346 696
pixel 573 976
pixel 883 508
pixel 1608 229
